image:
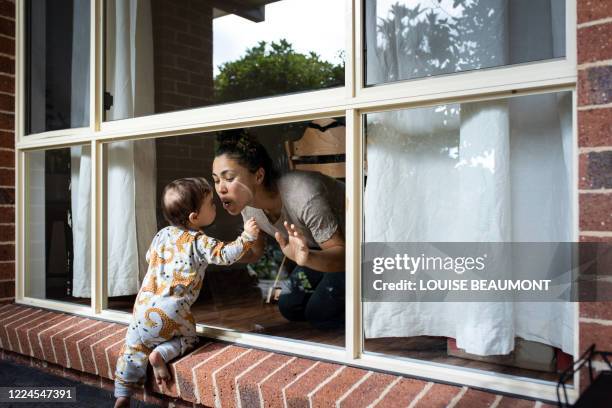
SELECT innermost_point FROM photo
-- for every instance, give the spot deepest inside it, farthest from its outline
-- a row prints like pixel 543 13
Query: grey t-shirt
pixel 314 203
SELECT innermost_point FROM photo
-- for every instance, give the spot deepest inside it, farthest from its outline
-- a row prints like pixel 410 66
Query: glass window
pixel 479 172
pixel 266 294
pixel 419 38
pixel 58 225
pixel 165 56
pixel 57 64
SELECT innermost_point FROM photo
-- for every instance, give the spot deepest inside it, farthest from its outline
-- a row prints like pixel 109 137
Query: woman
pixel 303 211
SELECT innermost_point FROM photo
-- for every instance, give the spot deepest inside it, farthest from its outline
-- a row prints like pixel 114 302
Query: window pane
pixel 419 38
pixel 163 56
pixel 57 64
pixel 311 303
pixel 58 225
pixel 481 172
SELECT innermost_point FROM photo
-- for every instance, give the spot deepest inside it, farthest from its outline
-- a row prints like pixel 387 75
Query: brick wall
pixel 182 38
pixel 7 151
pixel 595 144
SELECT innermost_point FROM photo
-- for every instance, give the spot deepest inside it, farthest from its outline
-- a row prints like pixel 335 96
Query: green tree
pixel 274 69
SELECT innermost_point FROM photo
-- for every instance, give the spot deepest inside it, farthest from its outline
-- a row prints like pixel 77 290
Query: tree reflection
pixel 437 37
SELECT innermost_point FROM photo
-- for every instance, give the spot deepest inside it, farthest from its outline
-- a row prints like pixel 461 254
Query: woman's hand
pixel 295 248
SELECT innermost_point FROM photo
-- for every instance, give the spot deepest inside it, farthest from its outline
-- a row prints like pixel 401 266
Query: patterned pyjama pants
pixel 132 363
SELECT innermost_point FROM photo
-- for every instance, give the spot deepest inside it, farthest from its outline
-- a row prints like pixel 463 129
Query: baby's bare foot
pixel 122 402
pixel 160 369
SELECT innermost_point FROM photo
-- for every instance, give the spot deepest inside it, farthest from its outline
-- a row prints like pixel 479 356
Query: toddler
pixel 162 326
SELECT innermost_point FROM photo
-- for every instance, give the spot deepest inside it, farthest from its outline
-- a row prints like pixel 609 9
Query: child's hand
pixel 251 227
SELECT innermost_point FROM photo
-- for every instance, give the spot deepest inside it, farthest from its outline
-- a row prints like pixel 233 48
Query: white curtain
pixel 131 166
pixel 472 173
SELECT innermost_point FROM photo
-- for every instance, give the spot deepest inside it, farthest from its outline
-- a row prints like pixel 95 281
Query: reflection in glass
pixel 58 225
pixel 418 38
pixel 164 56
pixel 492 171
pixel 57 64
pixel 233 297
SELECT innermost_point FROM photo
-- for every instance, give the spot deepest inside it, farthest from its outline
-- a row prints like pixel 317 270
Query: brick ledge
pixel 219 374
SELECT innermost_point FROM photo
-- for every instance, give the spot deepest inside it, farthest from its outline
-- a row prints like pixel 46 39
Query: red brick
pixel 595 86
pixel 7 157
pixel 596 310
pixel 296 393
pixel 34 332
pixel 86 350
pixel 590 10
pixel 20 316
pixel 8 309
pixel 225 379
pixel 7 196
pixel 71 344
pixel 7 289
pixel 591 290
pixel 7 233
pixel 11 330
pixel 7 178
pixel 182 373
pixel 271 389
pixel 438 396
pixel 57 340
pixel 101 362
pixel 596 170
pixel 189 40
pixel 7 103
pixel 112 354
pixel 475 398
pixel 509 402
pixel 7 120
pixel 7 65
pixel 203 374
pixel 7 253
pixel 402 393
pixel 368 391
pixel 7 8
pixel 595 212
pixel 595 259
pixel 22 331
pixel 7 27
pixel 594 43
pixel 596 333
pixel 7 46
pixel 45 336
pixel 7 215
pixel 248 384
pixel 7 140
pixel 337 387
pixel 595 127
pixel 7 85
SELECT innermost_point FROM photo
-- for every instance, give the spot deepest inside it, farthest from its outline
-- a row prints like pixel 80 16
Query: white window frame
pixel 353 101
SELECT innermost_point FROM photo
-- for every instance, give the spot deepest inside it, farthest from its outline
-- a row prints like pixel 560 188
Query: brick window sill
pixel 219 374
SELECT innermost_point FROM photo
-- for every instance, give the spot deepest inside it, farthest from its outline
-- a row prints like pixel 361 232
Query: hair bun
pixel 237 139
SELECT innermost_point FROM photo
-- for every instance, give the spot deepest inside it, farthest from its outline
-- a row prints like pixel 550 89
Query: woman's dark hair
pixel 239 145
pixel 182 197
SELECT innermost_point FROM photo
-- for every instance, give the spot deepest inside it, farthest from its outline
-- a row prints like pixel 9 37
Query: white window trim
pixel 352 101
